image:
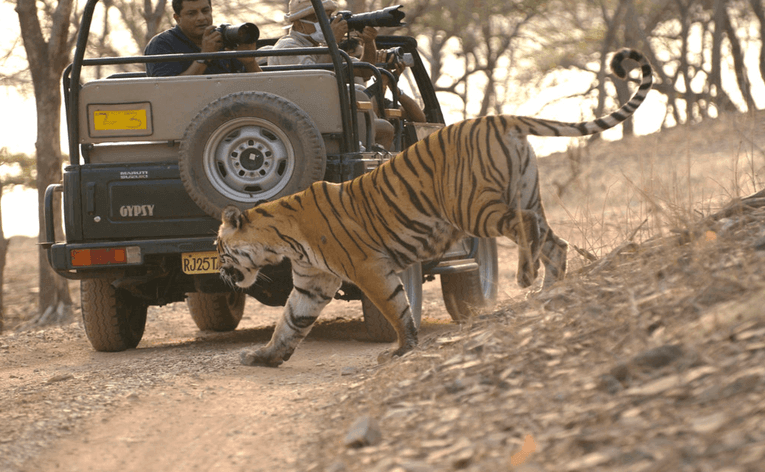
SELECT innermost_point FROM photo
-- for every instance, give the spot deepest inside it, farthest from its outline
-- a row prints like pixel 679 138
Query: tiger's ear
pixel 233 216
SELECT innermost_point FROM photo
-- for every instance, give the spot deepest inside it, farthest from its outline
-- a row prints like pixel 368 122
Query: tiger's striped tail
pixel 541 127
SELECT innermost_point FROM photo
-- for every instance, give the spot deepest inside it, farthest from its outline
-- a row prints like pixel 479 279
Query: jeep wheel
pixel 247 147
pixel 465 293
pixel 378 327
pixel 216 311
pixel 114 320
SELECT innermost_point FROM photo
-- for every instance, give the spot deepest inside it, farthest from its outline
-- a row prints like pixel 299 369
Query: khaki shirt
pixel 295 40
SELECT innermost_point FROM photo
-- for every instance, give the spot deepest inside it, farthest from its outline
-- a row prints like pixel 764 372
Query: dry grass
pixel 650 357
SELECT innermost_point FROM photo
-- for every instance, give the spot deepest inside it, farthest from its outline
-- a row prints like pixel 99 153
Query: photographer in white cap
pixel 305 32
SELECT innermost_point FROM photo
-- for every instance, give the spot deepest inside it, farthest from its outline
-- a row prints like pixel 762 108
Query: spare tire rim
pixel 249 159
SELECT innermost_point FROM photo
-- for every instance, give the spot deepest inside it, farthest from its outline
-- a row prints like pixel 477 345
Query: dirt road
pixel 181 401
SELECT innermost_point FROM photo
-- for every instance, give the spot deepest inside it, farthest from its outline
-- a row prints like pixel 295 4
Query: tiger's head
pixel 242 248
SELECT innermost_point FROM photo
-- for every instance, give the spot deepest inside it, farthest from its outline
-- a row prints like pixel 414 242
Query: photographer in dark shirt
pixel 195 33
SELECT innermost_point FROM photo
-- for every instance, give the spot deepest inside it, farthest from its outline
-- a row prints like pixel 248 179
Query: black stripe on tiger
pixel 313 295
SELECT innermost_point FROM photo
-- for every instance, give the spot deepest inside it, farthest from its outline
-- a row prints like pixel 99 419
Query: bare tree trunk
pixel 3 252
pixel 760 14
pixel 720 97
pixel 685 31
pixel 632 38
pixel 153 17
pixel 47 60
pixel 612 25
pixel 738 61
pixel 103 40
pixel 55 300
pixel 489 96
pixel 665 85
pixel 623 94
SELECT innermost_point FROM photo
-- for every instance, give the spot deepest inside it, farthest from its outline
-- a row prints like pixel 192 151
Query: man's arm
pixel 412 110
pixel 370 51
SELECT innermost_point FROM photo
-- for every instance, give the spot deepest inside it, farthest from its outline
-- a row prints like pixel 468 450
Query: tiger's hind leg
pixel 528 228
pixel 312 291
pixel 554 253
pixel 550 249
pixel 527 236
pixel 389 296
pixel 521 226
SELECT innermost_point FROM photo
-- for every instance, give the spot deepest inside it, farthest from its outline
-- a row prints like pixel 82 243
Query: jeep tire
pixel 114 320
pixel 247 147
pixel 216 311
pixel 466 293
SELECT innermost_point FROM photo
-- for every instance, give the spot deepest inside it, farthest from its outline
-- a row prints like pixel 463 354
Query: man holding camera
pixel 306 32
pixel 195 33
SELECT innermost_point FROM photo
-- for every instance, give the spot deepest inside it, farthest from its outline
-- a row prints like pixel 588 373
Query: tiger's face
pixel 233 271
pixel 241 252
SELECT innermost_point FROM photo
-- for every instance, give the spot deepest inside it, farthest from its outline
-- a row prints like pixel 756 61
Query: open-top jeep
pixel 154 160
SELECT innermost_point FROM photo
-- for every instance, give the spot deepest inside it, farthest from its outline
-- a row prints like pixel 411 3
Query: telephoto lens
pixel 246 33
pixel 387 17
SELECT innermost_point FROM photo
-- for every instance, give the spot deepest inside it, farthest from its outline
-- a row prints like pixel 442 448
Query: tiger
pixel 474 178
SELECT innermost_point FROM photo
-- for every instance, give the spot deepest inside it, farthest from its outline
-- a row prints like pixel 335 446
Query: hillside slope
pixel 649 356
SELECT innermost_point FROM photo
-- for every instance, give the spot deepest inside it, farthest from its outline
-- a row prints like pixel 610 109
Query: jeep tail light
pixel 106 256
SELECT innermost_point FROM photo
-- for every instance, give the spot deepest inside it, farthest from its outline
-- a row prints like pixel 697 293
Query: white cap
pixel 301 8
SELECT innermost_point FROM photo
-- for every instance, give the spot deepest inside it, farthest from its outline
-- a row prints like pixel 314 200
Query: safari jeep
pixel 154 160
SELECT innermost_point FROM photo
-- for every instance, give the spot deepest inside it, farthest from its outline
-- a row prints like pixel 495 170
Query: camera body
pixel 387 17
pixel 245 33
pixel 397 55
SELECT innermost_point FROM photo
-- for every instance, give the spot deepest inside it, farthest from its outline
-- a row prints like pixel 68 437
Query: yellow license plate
pixel 200 262
pixel 104 120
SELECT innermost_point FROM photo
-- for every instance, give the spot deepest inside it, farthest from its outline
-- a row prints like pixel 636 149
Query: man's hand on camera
pixel 250 63
pixel 398 68
pixel 212 40
pixel 382 57
pixel 339 28
pixel 368 36
pixel 246 47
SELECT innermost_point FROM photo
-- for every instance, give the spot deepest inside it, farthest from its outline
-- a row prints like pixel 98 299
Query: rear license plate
pixel 200 262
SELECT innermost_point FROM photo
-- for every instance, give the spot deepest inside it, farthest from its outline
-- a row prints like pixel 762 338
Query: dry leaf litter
pixel 649 359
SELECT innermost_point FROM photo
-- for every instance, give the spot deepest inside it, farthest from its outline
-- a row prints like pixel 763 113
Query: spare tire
pixel 247 147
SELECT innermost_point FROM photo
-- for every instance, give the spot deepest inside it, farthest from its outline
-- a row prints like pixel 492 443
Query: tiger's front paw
pixel 259 357
pixel 388 355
